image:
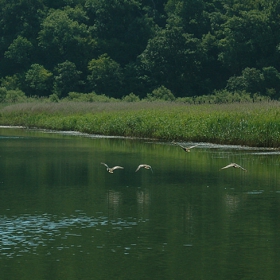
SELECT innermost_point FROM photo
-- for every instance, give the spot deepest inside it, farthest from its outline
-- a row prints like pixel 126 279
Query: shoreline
pixel 252 125
pixel 88 135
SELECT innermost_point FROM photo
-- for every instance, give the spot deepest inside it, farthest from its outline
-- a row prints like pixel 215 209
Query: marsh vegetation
pixel 252 124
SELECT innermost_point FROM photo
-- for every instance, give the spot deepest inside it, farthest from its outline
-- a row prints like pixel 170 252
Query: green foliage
pixel 114 47
pixel 271 82
pixel 20 51
pixel 15 96
pixel 247 38
pixel 131 98
pixel 121 26
pixel 88 97
pixel 20 18
pixel 39 80
pixel 171 58
pixel 3 93
pixel 252 124
pixel 161 93
pixel 53 98
pixel 106 76
pixel 250 81
pixel 65 34
pixel 264 82
pixel 11 82
pixel 190 15
pixel 66 78
pixel 224 96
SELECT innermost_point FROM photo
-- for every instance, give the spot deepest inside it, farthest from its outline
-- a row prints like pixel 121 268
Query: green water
pixel 63 216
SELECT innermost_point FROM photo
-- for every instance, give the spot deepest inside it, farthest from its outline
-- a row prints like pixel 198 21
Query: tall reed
pixel 252 124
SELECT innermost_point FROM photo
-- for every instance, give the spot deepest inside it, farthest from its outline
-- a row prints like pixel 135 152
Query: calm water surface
pixel 63 216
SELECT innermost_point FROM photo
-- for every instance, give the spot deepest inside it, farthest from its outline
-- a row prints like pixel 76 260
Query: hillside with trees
pixel 118 48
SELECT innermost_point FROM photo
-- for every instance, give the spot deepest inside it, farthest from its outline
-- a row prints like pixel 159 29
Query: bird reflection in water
pixel 143 202
pixel 114 199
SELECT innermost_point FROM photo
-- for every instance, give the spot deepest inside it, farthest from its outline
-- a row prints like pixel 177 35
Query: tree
pixel 265 82
pixel 121 27
pixel 192 47
pixel 246 40
pixel 191 15
pixel 18 20
pixel 172 58
pixel 106 76
pixel 250 81
pixel 65 37
pixel 39 80
pixel 271 78
pixel 66 78
pixel 19 52
pixel 11 82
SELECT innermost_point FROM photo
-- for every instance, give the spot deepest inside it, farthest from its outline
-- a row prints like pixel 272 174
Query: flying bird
pixel 111 170
pixel 146 166
pixel 186 149
pixel 235 165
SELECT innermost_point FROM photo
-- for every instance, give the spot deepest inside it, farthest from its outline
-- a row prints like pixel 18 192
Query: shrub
pixel 88 97
pixel 14 96
pixel 11 82
pixel 3 92
pixel 161 93
pixel 131 98
pixel 54 98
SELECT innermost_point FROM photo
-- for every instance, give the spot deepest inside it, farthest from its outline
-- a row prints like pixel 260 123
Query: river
pixel 63 216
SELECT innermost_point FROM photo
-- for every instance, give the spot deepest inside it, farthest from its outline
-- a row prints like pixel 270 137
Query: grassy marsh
pixel 252 124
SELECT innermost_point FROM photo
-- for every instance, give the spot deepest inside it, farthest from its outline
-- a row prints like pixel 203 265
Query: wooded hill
pixel 118 47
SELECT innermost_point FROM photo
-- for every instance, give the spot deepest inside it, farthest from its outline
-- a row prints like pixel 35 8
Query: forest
pixel 119 48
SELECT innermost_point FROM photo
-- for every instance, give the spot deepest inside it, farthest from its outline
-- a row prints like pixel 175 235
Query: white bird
pixel 235 165
pixel 186 149
pixel 111 169
pixel 146 166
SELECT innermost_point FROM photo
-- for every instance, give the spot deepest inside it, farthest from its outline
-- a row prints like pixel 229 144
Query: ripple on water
pixel 25 233
pixel 254 192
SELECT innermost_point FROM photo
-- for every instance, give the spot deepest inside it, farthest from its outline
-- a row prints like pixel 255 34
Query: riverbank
pixel 251 124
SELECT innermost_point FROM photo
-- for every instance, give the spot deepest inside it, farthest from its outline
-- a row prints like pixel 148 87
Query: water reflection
pixel 63 214
pixel 232 202
pixel 114 203
pixel 143 203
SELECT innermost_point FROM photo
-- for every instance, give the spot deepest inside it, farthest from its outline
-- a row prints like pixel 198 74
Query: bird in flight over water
pixel 146 166
pixel 186 149
pixel 235 165
pixel 111 170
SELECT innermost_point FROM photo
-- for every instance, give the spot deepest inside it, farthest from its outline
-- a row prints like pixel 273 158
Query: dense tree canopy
pixel 119 47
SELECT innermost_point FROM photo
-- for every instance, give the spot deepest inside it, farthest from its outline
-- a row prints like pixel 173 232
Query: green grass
pixel 252 124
